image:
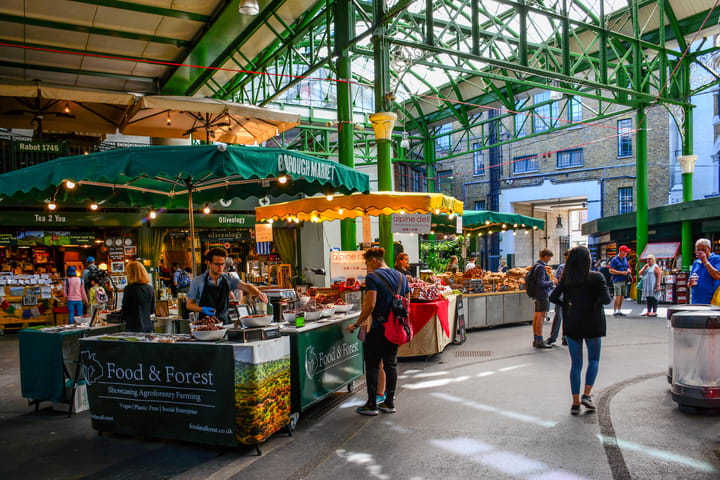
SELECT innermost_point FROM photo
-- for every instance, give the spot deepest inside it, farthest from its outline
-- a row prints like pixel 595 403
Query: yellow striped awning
pixel 338 207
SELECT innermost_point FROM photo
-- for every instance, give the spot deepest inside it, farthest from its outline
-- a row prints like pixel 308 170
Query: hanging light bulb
pixel 535 227
pixel 522 225
pixel 451 216
pixel 93 205
pixel 52 205
pixel 248 7
pixel 167 119
pixel 67 108
pixel 153 213
pixel 282 180
pixel 515 225
pixel 487 222
pixel 527 232
pixel 69 184
pixel 514 233
pixel 340 211
pixel 437 211
pixel 330 197
pixel 405 142
pixel 504 226
pixel 206 210
pixel 489 232
pixel 271 221
pixel 402 211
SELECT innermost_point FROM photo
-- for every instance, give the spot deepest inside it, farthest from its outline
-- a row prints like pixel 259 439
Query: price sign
pixel 344 265
pixel 263 232
pixel 458 224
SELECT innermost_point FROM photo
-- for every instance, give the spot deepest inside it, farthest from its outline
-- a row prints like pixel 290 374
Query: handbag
pixel 716 297
pixel 398 329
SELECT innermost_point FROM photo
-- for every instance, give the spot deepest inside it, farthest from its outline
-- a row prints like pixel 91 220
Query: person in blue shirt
pixel 209 293
pixel 704 273
pixel 620 269
pixel 377 348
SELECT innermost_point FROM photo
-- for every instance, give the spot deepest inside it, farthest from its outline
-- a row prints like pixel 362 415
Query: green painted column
pixel 687 164
pixel 641 181
pixel 429 154
pixel 383 103
pixel 344 28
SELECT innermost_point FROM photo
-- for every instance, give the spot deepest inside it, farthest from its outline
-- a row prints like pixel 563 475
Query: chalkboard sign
pixel 460 336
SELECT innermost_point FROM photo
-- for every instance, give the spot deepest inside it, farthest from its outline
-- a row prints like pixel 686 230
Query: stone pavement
pixel 491 408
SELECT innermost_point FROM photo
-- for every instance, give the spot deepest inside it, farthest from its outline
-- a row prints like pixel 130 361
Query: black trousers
pixel 375 349
pixel 651 304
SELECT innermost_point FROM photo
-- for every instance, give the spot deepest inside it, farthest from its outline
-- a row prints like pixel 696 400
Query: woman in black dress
pixel 138 299
pixel 581 294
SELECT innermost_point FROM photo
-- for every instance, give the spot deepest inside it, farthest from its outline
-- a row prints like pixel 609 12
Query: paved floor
pixel 490 408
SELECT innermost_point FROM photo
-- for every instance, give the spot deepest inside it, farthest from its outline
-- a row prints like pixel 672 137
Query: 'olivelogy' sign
pixel 305 167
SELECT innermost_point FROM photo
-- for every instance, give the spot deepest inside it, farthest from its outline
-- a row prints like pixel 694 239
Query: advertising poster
pixel 411 223
pixel 350 264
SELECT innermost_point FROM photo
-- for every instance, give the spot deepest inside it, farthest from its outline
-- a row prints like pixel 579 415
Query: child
pixel 98 297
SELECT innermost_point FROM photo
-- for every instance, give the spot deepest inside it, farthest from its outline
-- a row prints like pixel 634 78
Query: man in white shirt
pixel 471 262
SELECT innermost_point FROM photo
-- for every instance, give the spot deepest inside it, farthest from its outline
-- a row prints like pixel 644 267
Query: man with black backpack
pixel 538 285
pixel 382 284
pixel 90 271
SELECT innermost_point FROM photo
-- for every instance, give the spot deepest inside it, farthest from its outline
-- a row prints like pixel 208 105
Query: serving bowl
pixel 328 311
pixel 343 308
pixel 209 335
pixel 310 316
pixel 289 316
pixel 256 320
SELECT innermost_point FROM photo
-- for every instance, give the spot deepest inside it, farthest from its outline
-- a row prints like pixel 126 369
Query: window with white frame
pixel 442 142
pixel 545 115
pixel 445 182
pixel 525 163
pixel 570 158
pixel 625 200
pixel 520 118
pixel 575 110
pixel 478 160
pixel 624 128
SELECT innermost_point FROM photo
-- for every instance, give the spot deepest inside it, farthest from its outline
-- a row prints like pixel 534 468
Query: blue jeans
pixel 557 323
pixel 576 357
pixel 75 308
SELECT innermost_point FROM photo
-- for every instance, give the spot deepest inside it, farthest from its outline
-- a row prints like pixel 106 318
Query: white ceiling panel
pixel 38 57
pixel 148 70
pixel 12 54
pixel 111 66
pixel 12 31
pixel 60 11
pixel 116 46
pixel 177 28
pixel 206 7
pixel 127 21
pixel 49 36
pixel 11 6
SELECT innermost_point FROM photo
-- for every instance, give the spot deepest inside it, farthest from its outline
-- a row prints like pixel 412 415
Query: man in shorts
pixel 620 269
pixel 543 284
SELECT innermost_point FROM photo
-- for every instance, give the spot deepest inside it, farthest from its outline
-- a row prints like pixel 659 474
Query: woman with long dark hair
pixel 581 294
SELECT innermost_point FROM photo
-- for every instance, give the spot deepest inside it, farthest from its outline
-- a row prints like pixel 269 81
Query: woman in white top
pixel 650 274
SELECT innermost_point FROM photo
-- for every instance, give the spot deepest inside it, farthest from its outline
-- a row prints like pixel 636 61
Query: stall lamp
pixel 402 211
pixel 52 205
pixel 340 211
pixel 93 206
pixel 514 233
pixel 153 214
pixel 167 119
pixel 432 232
pixel 504 226
pixel 67 108
pixel 522 225
pixel 249 7
pixel 535 227
pixel 437 211
pixel 487 222
pixel 206 210
pixel 271 221
pixel 451 216
pixel 330 197
pixel 527 232
pixel 69 184
pixel 515 225
pixel 282 180
pixel 99 241
pixel 489 232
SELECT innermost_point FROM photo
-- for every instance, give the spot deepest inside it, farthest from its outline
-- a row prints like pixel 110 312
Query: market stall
pixel 673 286
pixel 50 359
pixel 171 386
pixel 411 210
pixel 27 299
pixel 325 357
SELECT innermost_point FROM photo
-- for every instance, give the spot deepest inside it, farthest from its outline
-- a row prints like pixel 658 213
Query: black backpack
pixel 530 280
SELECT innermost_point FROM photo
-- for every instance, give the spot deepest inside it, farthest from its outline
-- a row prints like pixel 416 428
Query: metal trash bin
pixel 696 360
pixel 670 312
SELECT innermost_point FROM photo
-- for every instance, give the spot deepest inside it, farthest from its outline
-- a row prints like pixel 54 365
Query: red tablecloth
pixel 421 313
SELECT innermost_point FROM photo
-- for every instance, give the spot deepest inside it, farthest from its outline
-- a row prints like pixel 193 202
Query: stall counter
pixel 434 327
pixel 325 357
pixel 221 393
pixel 497 308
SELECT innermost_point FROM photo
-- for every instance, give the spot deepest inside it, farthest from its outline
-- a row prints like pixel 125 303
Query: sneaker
pixel 384 407
pixel 616 314
pixel 542 345
pixel 564 341
pixel 575 410
pixel 644 314
pixel 379 398
pixel 587 402
pixel 550 341
pixel 620 314
pixel 367 410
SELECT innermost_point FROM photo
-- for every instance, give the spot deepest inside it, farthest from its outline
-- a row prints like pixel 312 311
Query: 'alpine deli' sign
pixel 411 223
pixel 304 167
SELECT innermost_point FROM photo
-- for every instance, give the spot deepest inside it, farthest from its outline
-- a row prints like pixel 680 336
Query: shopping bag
pixel 716 297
